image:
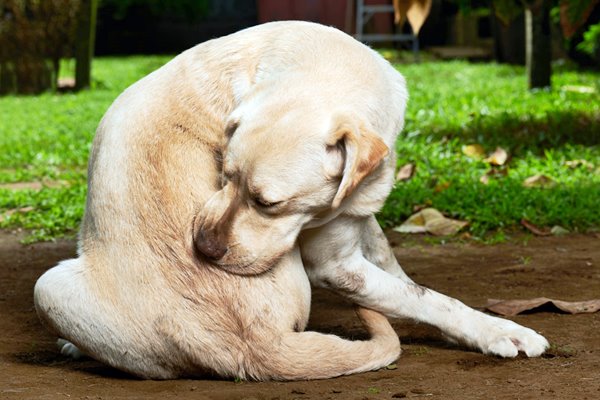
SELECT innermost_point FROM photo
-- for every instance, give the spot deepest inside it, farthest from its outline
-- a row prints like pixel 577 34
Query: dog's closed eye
pixel 265 203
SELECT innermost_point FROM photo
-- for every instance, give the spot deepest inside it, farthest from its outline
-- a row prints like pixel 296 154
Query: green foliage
pixel 572 13
pixel 577 11
pixel 47 139
pixel 454 104
pixel 591 40
pixel 507 10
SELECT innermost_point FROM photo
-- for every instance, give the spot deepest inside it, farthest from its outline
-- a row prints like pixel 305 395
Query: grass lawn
pixel 45 141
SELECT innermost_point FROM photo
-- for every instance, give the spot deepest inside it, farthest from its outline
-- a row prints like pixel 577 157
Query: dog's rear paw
pixel 507 338
pixel 69 349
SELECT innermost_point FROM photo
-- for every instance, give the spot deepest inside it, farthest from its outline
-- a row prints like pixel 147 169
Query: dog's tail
pixel 312 355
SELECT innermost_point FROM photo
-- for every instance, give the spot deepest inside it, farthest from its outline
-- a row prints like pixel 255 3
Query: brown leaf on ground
pixel 12 211
pixel 419 207
pixel 539 181
pixel 36 185
pixel 430 220
pixel 580 163
pixel 494 171
pixel 578 89
pixel 498 157
pixel 22 186
pixel 558 230
pixel 440 187
pixel 514 307
pixel 405 172
pixel 473 151
pixel 536 230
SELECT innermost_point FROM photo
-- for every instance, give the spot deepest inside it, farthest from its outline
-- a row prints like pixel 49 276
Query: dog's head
pixel 285 166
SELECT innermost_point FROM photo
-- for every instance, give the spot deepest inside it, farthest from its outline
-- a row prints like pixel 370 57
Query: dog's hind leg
pixel 312 355
pixel 89 324
pixel 58 297
pixel 65 305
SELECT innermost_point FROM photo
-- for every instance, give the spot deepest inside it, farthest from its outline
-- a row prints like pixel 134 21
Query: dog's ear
pixel 364 151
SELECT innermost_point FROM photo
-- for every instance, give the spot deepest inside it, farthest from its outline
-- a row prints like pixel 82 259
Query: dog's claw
pixel 68 349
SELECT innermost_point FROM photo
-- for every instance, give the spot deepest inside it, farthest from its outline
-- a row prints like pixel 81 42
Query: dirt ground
pixel 566 268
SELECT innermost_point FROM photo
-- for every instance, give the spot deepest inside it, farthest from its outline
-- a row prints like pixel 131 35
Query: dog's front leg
pixel 376 249
pixel 334 258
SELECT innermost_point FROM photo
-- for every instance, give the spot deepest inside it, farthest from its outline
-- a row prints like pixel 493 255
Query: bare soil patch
pixel 566 268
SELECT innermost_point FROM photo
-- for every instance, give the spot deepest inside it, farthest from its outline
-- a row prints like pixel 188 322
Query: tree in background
pixel 34 36
pixel 538 46
pixel 84 43
pixel 538 43
pixel 573 15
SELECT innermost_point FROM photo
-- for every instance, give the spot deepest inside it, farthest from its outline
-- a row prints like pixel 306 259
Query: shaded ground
pixel 566 268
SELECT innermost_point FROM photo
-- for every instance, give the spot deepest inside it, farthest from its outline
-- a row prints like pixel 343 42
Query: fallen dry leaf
pixel 22 186
pixel 430 220
pixel 498 157
pixel 580 163
pixel 406 172
pixel 539 181
pixel 578 89
pixel 440 187
pixel 494 171
pixel 514 307
pixel 419 207
pixel 35 185
pixel 12 211
pixel 473 151
pixel 536 230
pixel 558 230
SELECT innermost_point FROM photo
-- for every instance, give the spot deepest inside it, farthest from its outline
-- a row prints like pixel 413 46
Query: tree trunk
pixel 8 81
pixel 538 48
pixel 84 43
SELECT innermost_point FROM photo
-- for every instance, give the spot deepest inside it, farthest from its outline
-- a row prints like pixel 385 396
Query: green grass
pixel 47 138
pixel 456 103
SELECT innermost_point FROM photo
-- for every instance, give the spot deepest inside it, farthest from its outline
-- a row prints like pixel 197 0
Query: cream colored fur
pixel 139 297
pixel 218 186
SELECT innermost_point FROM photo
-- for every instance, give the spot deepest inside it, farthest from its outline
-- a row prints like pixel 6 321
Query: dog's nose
pixel 210 246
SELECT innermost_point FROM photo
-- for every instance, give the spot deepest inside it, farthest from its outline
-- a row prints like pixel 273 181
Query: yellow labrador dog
pixel 218 186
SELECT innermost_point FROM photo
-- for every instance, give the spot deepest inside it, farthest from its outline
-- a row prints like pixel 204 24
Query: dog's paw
pixel 506 339
pixel 68 349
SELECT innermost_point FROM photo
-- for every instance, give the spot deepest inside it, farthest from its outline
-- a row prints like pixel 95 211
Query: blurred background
pixel 502 127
